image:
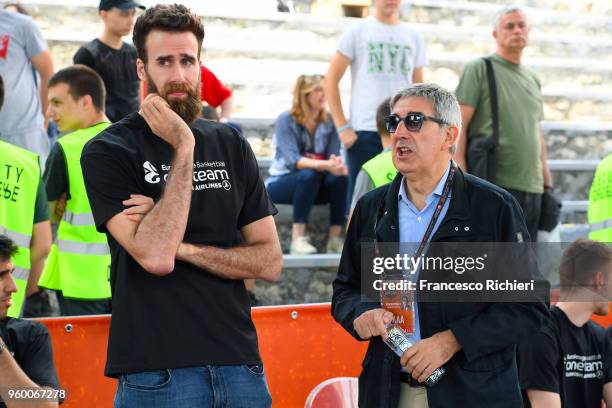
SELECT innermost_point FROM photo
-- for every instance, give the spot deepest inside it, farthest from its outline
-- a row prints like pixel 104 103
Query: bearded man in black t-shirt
pixel 563 364
pixel 181 332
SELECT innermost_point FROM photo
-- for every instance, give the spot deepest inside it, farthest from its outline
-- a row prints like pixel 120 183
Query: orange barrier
pixel 301 346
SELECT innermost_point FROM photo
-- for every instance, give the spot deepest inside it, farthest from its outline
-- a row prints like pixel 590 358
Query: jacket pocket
pixel 490 362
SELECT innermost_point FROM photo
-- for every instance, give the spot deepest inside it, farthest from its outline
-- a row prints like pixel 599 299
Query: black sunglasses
pixel 413 121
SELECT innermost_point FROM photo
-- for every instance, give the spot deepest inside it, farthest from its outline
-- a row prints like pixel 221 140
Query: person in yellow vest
pixel 24 216
pixel 600 202
pixel 379 170
pixel 79 262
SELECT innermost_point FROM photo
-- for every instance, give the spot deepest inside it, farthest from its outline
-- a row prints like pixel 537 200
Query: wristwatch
pixel 2 346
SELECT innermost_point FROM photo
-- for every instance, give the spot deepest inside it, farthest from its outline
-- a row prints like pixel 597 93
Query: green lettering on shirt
pixel 376 58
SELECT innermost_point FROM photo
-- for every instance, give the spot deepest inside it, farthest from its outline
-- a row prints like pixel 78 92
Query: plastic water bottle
pixel 399 342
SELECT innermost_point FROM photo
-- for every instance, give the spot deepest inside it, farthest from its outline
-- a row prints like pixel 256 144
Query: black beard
pixel 188 109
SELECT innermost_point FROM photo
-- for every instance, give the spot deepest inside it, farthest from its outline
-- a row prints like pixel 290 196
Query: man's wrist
pixel 451 341
pixel 344 127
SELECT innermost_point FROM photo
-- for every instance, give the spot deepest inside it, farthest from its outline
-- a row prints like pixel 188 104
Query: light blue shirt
pixel 413 224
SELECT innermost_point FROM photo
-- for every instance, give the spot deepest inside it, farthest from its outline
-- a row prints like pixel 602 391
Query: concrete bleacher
pixel 259 53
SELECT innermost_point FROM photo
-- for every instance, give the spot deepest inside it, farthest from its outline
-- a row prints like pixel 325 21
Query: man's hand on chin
pixel 429 354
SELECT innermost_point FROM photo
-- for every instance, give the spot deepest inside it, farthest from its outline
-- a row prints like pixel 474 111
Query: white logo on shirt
pixel 583 366
pixel 151 174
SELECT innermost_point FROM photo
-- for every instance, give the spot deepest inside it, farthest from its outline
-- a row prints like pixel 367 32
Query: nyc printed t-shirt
pixel 383 58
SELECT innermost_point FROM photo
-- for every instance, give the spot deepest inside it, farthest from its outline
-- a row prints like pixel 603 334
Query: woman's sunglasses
pixel 413 121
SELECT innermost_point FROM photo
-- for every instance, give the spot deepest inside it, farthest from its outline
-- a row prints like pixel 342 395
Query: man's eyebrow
pixel 188 56
pixel 5 271
pixel 163 58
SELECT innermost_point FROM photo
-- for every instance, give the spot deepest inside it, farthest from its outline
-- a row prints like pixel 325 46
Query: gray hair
pixel 444 102
pixel 506 10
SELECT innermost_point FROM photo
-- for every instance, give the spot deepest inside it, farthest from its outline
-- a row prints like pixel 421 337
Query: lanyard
pixel 401 302
pixel 438 211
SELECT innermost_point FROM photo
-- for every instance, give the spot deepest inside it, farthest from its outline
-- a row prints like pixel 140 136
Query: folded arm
pixel 259 258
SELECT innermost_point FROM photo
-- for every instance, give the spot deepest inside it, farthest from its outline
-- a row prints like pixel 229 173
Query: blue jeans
pixel 306 187
pixel 368 145
pixel 236 386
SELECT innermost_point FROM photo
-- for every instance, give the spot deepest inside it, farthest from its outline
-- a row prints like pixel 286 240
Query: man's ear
pixel 451 134
pixel 140 69
pixel 87 100
pixel 598 280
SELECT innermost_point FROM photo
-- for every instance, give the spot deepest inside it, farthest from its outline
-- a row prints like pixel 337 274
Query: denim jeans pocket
pixel 148 380
pixel 255 369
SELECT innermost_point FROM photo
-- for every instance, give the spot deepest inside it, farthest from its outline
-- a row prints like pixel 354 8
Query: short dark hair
pixel 384 110
pixel 580 260
pixel 7 248
pixel 19 7
pixel 82 81
pixel 173 18
pixel 1 91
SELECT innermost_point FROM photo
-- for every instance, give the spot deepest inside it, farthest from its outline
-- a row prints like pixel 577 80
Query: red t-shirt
pixel 213 91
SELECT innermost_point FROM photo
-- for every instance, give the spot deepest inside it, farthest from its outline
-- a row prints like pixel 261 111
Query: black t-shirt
pixel 118 71
pixel 30 344
pixel 564 359
pixel 608 356
pixel 189 317
pixel 55 175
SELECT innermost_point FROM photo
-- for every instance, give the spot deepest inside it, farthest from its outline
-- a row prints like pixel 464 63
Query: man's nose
pixel 11 286
pixel 178 74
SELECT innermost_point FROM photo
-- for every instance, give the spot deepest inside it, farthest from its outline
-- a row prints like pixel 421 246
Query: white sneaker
pixel 302 246
pixel 335 245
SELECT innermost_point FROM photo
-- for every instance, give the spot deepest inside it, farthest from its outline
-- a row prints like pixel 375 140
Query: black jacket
pixel 483 373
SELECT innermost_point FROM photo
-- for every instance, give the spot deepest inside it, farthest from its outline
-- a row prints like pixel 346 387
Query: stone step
pixel 448 16
pixel 259 94
pixel 264 126
pixel 568 233
pixel 553 165
pixel 242 43
pixel 575 18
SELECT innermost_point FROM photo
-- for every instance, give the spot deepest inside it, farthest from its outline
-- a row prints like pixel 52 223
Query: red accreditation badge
pixel 400 303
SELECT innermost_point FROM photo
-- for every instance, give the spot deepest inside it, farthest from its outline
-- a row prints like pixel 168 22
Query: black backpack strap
pixel 493 97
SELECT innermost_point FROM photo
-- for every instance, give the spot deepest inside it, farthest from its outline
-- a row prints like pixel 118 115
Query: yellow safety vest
pixel 380 168
pixel 79 261
pixel 19 178
pixel 600 202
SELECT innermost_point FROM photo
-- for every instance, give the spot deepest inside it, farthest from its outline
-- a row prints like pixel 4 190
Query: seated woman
pixel 307 168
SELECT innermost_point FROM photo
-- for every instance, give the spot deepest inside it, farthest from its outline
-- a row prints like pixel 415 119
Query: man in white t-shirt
pixel 385 55
pixel 24 51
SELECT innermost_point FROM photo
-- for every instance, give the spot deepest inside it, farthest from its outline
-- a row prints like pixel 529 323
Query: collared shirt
pixel 413 224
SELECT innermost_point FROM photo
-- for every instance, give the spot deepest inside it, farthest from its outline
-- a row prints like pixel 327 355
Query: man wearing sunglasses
pixel 521 160
pixel 431 200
